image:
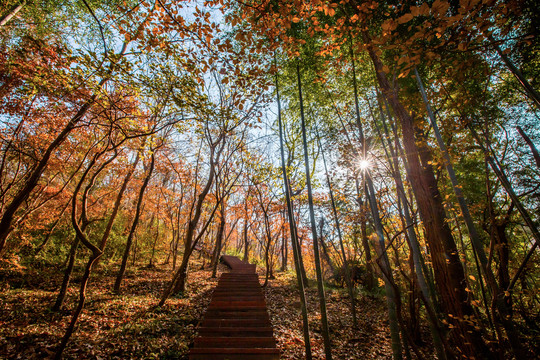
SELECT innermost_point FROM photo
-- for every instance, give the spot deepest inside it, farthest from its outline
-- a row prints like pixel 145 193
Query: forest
pixel 377 161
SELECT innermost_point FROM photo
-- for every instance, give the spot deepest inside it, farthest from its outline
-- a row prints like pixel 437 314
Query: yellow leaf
pixel 296 19
pixel 472 278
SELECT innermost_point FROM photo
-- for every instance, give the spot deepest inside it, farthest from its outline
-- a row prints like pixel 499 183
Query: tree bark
pixel 178 283
pixel 348 280
pixel 416 255
pixel 133 228
pixel 529 142
pixel 449 274
pixel 11 13
pixel 219 240
pixel 35 175
pixel 294 238
pixel 316 254
pixel 500 304
pixel 529 90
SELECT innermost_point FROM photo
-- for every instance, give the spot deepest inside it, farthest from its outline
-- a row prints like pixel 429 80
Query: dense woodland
pixel 371 157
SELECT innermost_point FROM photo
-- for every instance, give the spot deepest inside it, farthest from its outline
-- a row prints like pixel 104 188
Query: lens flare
pixel 364 164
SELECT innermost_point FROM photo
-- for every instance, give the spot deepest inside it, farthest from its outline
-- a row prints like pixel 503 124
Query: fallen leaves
pixel 370 341
pixel 125 326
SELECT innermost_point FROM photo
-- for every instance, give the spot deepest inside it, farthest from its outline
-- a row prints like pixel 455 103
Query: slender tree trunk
pixel 51 230
pixel 219 240
pixel 370 281
pixel 246 243
pixel 363 226
pixel 96 251
pixel 449 272
pixel 531 92
pixel 500 304
pixel 84 224
pixel 35 175
pixel 136 218
pixel 284 247
pixel 116 206
pixel 178 283
pixel 268 242
pixel 67 275
pixel 246 224
pixel 294 239
pixel 412 240
pixel 529 142
pixel 348 279
pixel 11 13
pixel 384 263
pixel 320 281
pixel 80 305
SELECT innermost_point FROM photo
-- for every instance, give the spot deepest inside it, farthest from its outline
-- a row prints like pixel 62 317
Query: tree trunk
pixel 500 304
pixel 96 252
pixel 320 284
pixel 384 263
pixel 370 281
pixel 529 142
pixel 449 272
pixel 219 240
pixel 35 175
pixel 84 224
pixel 246 244
pixel 350 285
pixel 412 240
pixel 11 13
pixel 284 247
pixel 294 239
pixel 80 305
pixel 67 275
pixel 531 92
pixel 178 283
pixel 136 218
pixel 268 242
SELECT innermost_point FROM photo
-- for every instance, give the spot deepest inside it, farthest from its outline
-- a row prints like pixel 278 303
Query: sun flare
pixel 364 164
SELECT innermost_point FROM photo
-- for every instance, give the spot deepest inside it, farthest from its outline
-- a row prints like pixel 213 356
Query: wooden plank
pixel 236 325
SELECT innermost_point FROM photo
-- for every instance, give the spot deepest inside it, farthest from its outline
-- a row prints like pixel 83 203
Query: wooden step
pixel 236 314
pixel 234 342
pixel 237 323
pixel 236 331
pixel 237 304
pixel 232 275
pixel 237 297
pixel 243 290
pixel 233 354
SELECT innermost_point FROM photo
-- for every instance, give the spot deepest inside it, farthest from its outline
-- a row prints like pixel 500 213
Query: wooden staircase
pixel 236 325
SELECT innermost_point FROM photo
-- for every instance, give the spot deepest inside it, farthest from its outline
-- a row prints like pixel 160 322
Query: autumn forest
pixel 376 161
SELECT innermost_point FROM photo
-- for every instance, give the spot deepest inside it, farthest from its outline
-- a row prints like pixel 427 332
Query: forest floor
pixel 129 326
